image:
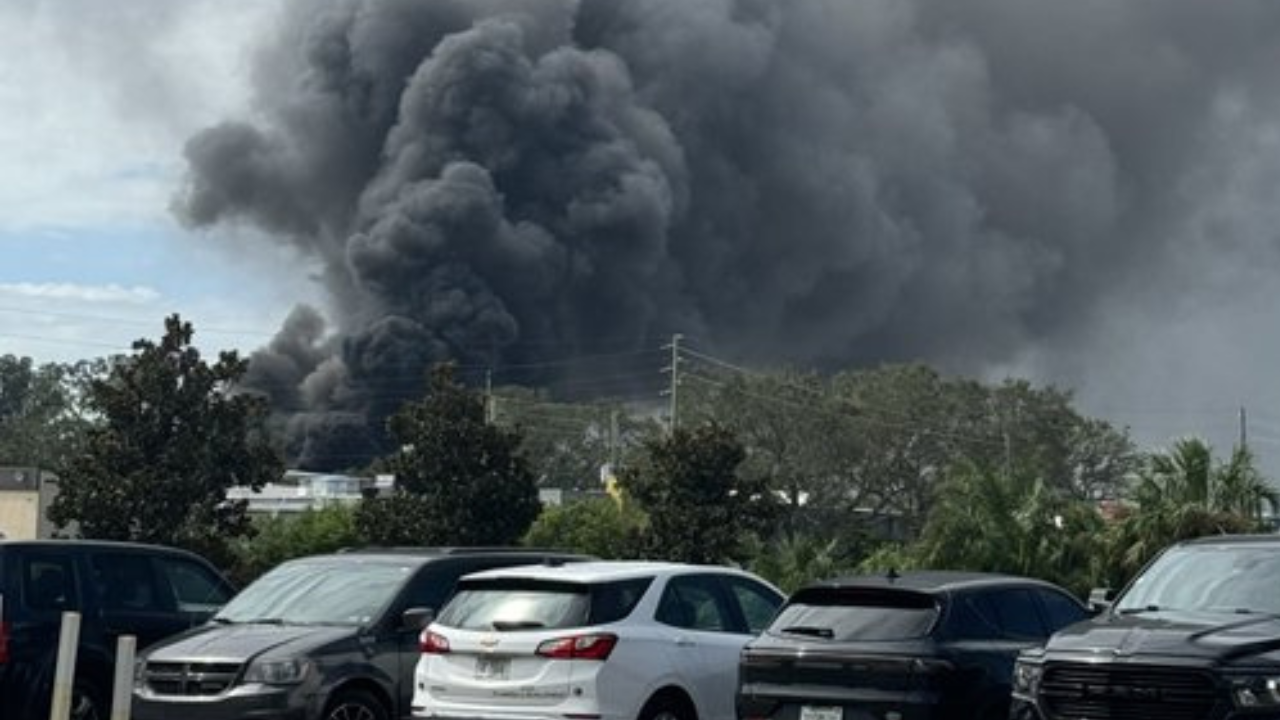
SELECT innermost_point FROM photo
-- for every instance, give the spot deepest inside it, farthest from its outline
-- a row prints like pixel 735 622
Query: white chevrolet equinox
pixel 626 640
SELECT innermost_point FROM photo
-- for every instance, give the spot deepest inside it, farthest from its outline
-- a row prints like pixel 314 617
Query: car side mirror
pixel 1100 600
pixel 417 618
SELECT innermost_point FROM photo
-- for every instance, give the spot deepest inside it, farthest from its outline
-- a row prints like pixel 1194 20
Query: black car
pixel 147 591
pixel 1196 636
pixel 332 637
pixel 912 646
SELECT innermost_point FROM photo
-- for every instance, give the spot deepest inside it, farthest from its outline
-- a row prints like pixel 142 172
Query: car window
pixel 862 614
pixel 194 587
pixel 48 583
pixel 692 602
pixel 507 604
pixel 1060 610
pixel 757 602
pixel 971 617
pixel 127 582
pixel 1015 613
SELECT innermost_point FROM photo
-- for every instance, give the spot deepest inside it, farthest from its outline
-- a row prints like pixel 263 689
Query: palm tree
pixel 1181 494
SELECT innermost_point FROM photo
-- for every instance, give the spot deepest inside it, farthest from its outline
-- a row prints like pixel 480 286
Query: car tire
pixel 88 702
pixel 355 704
pixel 666 709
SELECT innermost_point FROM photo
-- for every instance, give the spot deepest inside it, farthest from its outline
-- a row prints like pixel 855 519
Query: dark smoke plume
pixel 821 181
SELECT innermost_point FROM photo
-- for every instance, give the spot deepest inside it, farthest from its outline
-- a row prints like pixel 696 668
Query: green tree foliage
pixel 459 479
pixel 597 526
pixel 916 424
pixel 795 560
pixel 799 436
pixel 700 509
pixel 174 436
pixel 568 443
pixel 1184 493
pixel 41 423
pixel 989 521
pixel 284 537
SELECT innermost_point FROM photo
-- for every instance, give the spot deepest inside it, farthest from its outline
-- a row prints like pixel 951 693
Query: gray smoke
pixel 980 184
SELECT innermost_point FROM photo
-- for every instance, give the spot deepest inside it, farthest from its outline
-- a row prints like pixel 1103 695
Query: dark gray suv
pixel 147 591
pixel 330 637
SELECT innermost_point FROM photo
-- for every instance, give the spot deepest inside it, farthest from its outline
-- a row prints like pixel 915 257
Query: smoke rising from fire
pixel 977 183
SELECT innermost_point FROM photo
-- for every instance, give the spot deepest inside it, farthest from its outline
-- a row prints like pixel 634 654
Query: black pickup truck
pixel 1196 636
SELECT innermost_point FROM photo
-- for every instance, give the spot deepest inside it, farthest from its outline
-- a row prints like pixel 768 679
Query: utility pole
pixel 613 439
pixel 488 397
pixel 674 369
pixel 1244 429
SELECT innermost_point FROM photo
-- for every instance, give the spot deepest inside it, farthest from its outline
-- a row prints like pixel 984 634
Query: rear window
pixel 856 614
pixel 523 604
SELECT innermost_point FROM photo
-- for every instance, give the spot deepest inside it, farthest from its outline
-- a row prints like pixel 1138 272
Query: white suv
pixel 624 640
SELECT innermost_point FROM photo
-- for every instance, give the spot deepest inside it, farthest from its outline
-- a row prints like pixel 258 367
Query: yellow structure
pixel 24 496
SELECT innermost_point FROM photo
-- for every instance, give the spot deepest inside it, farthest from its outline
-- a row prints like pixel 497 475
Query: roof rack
pixel 451 550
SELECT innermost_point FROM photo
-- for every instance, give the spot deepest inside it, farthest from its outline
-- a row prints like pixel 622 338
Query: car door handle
pixel 683 641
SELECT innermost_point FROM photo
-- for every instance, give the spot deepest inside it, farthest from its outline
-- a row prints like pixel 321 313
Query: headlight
pixel 277 672
pixel 1026 677
pixel 1261 692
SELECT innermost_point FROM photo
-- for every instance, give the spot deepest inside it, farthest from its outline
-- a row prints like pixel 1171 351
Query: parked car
pixel 916 645
pixel 328 637
pixel 622 640
pixel 147 591
pixel 1196 636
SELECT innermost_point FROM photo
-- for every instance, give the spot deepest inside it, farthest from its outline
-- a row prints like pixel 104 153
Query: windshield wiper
pixel 265 621
pixel 822 632
pixel 1141 610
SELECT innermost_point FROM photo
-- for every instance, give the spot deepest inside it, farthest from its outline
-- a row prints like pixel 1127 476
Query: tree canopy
pixel 460 480
pixel 172 435
pixel 700 509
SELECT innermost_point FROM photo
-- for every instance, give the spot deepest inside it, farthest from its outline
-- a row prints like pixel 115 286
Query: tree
pixel 280 538
pixel 174 435
pixel 568 443
pixel 597 526
pixel 459 479
pixel 40 422
pixel 987 520
pixel 700 509
pixel 1182 493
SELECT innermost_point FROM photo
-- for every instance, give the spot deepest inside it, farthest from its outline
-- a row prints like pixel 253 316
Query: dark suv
pixel 1196 636
pixel 330 636
pixel 920 645
pixel 147 591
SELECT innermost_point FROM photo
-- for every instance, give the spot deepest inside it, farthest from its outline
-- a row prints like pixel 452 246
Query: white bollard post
pixel 64 673
pixel 122 696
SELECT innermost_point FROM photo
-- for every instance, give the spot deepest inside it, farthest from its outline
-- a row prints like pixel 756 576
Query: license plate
pixel 821 712
pixel 494 668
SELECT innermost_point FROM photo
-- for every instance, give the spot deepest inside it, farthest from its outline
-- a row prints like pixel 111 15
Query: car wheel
pixel 87 702
pixel 666 709
pixel 355 705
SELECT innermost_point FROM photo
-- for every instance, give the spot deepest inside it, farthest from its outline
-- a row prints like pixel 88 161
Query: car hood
pixel 1187 636
pixel 242 642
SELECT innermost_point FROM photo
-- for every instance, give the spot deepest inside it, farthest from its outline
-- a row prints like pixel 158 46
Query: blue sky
pixel 92 126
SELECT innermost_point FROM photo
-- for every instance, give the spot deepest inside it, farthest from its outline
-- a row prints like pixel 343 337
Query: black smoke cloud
pixel 975 183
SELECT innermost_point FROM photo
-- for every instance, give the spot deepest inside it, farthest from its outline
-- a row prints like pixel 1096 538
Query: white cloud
pixel 111 293
pixel 96 100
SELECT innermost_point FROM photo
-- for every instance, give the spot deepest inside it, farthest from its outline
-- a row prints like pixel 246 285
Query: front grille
pixel 195 678
pixel 1128 692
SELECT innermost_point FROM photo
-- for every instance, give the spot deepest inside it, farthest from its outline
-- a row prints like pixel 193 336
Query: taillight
pixel 4 642
pixel 433 643
pixel 579 647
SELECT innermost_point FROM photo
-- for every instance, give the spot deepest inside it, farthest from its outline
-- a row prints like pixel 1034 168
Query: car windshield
pixel 846 614
pixel 1215 578
pixel 346 592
